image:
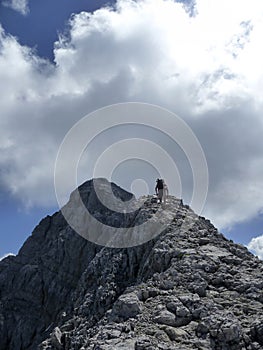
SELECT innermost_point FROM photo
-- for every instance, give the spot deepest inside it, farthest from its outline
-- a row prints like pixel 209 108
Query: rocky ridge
pixel 188 288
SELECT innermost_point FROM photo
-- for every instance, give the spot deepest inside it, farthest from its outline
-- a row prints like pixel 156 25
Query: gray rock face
pixel 188 288
pixel 126 306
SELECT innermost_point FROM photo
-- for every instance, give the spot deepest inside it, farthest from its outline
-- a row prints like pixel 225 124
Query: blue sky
pixel 40 27
pixel 200 61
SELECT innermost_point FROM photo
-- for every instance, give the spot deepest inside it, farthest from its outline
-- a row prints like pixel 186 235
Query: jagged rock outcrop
pixel 187 288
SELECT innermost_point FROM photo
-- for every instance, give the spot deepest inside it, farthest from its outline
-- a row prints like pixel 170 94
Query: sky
pixel 60 60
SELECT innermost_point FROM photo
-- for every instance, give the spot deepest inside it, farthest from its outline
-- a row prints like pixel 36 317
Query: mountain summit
pixel 187 287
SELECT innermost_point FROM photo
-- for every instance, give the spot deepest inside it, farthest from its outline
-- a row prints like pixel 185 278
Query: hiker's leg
pixel 160 195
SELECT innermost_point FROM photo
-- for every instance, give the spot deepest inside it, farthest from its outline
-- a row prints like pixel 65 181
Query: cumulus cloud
pixel 18 5
pixel 256 246
pixel 205 65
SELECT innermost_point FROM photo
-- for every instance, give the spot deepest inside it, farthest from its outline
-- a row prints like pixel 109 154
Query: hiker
pixel 159 190
pixel 165 192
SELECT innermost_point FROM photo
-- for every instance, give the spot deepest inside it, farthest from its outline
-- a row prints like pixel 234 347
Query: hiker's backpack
pixel 160 184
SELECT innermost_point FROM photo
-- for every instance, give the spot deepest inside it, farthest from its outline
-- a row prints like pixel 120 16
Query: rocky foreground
pixel 188 288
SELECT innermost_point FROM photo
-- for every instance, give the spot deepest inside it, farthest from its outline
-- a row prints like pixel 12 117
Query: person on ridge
pixel 159 190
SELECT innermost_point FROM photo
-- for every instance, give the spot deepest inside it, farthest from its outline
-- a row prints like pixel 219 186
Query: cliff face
pixel 187 288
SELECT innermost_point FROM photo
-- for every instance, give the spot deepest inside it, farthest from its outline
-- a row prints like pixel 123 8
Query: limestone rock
pixel 56 338
pixel 186 288
pixel 165 317
pixel 127 306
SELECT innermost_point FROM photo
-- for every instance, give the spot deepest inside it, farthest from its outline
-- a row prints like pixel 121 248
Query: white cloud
pixel 256 246
pixel 207 68
pixel 18 5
